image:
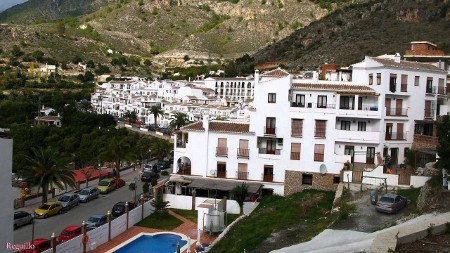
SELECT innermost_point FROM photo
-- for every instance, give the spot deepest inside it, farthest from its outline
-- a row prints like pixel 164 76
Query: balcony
pixel 242 175
pixel 297 104
pixel 267 177
pixel 321 106
pixel 395 136
pixel 397 112
pixel 431 90
pixel 270 130
pixel 181 144
pixel 297 134
pixel 269 151
pixel 222 151
pixel 243 152
pixel 295 155
pixel 441 90
pixel 318 157
pixel 429 113
pixel 359 136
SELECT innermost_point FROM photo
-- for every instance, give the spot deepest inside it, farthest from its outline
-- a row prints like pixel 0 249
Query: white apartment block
pixel 238 89
pixel 7 196
pixel 301 132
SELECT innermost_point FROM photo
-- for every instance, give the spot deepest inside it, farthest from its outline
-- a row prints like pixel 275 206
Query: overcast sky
pixel 5 4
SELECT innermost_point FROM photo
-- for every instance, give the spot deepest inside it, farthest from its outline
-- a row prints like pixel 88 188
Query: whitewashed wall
pixel 185 202
pixel 418 181
pixel 98 236
pixel 118 225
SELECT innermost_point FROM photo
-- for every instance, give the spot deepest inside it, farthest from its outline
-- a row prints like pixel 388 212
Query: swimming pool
pixel 160 243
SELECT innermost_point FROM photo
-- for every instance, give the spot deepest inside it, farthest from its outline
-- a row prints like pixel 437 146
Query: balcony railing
pixel 269 151
pixel 395 136
pixel 318 157
pixel 181 144
pixel 430 90
pixel 221 151
pixel 243 152
pixel 267 177
pixel 319 105
pixel 221 174
pixel 270 130
pixel 441 90
pixel 396 112
pixel 296 133
pixel 241 175
pixel 429 113
pixel 346 107
pixel 295 155
pixel 297 104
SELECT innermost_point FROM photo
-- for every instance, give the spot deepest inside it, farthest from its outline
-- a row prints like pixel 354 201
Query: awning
pixel 222 184
pixel 179 179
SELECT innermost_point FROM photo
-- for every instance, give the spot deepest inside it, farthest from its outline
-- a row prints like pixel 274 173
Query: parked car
pixel 69 233
pixel 22 218
pixel 119 208
pixel 96 221
pixel 148 176
pixel 48 209
pixel 106 185
pixel 88 194
pixel 69 200
pixel 162 165
pixel 119 182
pixel 39 245
pixel 152 167
pixel 391 203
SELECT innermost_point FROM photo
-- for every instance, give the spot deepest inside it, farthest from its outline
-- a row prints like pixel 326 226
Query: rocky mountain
pixel 163 29
pixel 40 10
pixel 371 28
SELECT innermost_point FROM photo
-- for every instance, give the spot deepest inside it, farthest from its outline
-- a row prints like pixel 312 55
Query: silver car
pixel 22 218
pixel 88 194
pixel 391 203
pixel 69 200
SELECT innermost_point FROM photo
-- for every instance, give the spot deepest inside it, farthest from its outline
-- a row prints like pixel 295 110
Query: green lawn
pixel 191 215
pixel 410 194
pixel 231 218
pixel 278 213
pixel 163 221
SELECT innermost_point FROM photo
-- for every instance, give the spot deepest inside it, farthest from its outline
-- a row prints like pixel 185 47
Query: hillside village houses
pixel 301 133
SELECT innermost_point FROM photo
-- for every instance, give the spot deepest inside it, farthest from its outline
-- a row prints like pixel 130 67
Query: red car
pixel 119 182
pixel 40 245
pixel 69 233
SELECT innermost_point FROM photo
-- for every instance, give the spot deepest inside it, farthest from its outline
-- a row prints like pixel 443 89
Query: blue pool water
pixel 160 243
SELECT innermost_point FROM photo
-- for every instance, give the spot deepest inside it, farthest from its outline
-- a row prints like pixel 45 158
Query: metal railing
pixel 221 151
pixel 297 104
pixel 396 112
pixel 181 144
pixel 321 106
pixel 429 113
pixel 296 133
pixel 242 175
pixel 270 130
pixel 269 151
pixel 243 152
pixel 295 155
pixel 430 90
pixel 395 136
pixel 318 157
pixel 221 174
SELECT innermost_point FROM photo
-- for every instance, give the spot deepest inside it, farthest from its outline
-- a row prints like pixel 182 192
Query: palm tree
pixel 161 148
pixel 178 120
pixel 45 171
pixel 118 150
pixel 156 111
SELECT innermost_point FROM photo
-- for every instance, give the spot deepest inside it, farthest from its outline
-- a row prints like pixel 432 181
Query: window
pixel 416 80
pixel 320 128
pixel 336 179
pixel 429 87
pixel 268 173
pixel 441 86
pixel 392 82
pixel 272 98
pixel 221 170
pixel 270 125
pixel 404 83
pixel 299 100
pixel 242 171
pixel 307 179
pixel 295 151
pixel 345 103
pixel 370 79
pixel 243 150
pixel 361 126
pixel 321 101
pixel 222 149
pixel 319 152
pixel 370 155
pixel 345 125
pixel 378 78
pixel 296 127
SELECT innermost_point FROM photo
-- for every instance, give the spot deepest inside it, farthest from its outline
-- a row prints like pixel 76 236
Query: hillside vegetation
pixel 371 28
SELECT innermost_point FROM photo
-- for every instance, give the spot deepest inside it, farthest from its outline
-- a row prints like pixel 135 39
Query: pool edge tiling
pixel 134 238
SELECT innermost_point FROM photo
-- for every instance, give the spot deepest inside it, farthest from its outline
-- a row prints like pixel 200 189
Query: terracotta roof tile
pixel 220 126
pixel 333 87
pixel 406 64
pixel 196 126
pixel 278 73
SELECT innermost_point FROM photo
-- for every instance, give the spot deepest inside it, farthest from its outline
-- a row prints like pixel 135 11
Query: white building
pixel 301 132
pixel 234 89
pixel 6 196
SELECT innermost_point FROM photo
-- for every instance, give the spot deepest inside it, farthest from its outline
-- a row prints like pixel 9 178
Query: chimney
pixel 206 122
pixel 397 57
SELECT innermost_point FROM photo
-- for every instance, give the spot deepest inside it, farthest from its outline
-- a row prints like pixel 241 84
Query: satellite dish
pixel 323 169
pixel 213 172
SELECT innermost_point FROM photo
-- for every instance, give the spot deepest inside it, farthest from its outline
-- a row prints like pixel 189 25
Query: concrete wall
pixel 294 184
pixel 185 202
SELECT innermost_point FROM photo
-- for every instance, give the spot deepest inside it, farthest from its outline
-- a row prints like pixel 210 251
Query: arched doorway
pixel 184 166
